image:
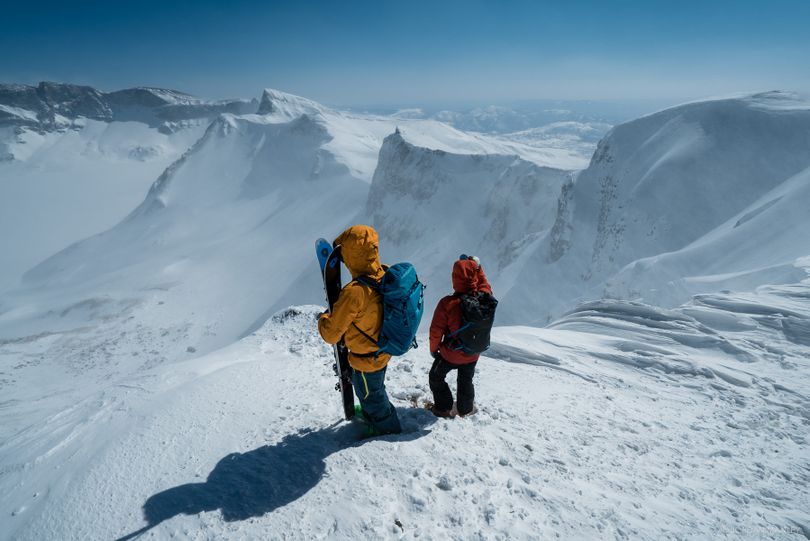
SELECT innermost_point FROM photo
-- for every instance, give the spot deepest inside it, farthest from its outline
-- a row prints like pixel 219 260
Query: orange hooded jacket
pixel 358 304
pixel 468 276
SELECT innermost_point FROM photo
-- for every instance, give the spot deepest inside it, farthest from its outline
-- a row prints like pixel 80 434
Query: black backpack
pixel 477 316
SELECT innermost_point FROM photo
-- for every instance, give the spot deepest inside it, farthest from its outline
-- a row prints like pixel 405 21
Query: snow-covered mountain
pixel 430 205
pixel 697 198
pixel 579 137
pixel 55 106
pixel 154 377
pixel 676 203
pixel 532 114
pixel 235 217
pixel 77 160
pixel 74 184
pixel 572 126
pixel 74 161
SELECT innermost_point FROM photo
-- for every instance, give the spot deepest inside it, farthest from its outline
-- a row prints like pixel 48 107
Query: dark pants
pixel 442 397
pixel 378 410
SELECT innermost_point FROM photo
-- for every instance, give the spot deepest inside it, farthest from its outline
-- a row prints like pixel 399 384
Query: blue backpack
pixel 403 304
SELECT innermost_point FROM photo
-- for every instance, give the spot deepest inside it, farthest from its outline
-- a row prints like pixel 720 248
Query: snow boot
pixel 446 414
pixel 360 415
pixel 455 412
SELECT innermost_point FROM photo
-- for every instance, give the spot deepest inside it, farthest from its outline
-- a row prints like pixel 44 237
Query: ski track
pixel 576 438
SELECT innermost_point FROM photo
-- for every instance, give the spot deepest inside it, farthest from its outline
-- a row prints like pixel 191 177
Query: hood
pixel 360 249
pixel 465 275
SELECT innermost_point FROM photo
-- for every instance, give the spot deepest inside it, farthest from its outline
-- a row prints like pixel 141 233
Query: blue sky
pixel 414 52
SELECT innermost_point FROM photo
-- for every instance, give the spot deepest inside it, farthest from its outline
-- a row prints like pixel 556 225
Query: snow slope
pixel 756 245
pixel 672 182
pixel 65 186
pixel 74 160
pixel 619 421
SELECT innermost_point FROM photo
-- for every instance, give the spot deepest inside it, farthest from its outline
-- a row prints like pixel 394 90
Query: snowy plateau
pixel 161 376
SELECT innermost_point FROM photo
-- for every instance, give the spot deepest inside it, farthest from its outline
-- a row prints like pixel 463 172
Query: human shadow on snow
pixel 251 484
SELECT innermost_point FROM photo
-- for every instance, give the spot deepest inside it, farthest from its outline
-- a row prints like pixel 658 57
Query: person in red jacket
pixel 468 277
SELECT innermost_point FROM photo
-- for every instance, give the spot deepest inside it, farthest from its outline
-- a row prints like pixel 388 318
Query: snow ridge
pixel 51 106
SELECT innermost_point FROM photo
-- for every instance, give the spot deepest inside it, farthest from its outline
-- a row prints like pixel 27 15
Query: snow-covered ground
pixel 619 421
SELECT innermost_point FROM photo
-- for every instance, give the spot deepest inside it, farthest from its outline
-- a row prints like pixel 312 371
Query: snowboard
pixel 329 261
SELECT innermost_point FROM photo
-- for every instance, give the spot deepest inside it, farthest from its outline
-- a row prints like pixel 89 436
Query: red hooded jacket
pixel 468 277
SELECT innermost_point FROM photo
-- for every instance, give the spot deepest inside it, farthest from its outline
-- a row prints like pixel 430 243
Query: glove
pixel 318 317
pixel 436 355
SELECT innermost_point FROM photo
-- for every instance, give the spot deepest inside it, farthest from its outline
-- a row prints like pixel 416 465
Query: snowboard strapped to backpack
pixel 403 304
pixel 477 316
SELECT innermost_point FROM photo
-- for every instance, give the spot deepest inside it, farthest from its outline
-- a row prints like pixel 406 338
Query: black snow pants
pixel 442 396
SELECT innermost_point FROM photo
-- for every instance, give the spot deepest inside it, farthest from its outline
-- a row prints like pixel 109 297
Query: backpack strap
pixel 374 354
pixel 370 339
pixel 454 333
pixel 452 340
pixel 368 281
pixel 363 333
pixel 375 285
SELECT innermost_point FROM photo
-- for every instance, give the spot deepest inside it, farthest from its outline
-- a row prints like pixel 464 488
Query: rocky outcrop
pixel 54 106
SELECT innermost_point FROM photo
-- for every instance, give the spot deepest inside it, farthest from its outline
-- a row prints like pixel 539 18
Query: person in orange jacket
pixel 357 315
pixel 468 277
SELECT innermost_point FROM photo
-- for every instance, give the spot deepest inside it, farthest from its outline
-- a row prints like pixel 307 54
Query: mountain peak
pixel 779 100
pixel 275 102
pixel 151 97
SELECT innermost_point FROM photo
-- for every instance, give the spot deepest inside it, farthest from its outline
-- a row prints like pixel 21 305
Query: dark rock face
pixel 146 97
pixel 183 111
pixel 22 96
pixel 46 106
pixel 72 101
pixel 47 100
pixel 266 105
